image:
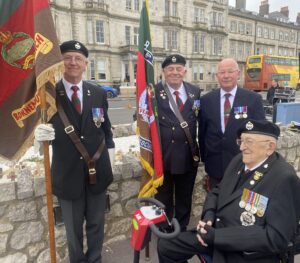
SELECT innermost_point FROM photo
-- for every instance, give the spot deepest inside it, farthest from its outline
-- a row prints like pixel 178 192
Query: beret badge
pixel 77 46
pixel 173 59
pixel 249 125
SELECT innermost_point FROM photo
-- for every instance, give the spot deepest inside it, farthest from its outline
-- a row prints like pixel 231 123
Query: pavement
pixel 122 252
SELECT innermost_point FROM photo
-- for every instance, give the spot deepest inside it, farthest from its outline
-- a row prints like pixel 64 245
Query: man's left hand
pixel 206 233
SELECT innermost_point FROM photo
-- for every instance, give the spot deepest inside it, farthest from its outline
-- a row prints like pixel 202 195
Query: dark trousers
pixel 182 186
pixel 90 208
pixel 181 248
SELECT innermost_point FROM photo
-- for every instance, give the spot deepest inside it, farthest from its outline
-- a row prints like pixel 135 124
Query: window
pixel 90 37
pixel 167 7
pixel 213 73
pixel 174 9
pixel 272 33
pixel 92 69
pixel 136 36
pixel 240 50
pixel 127 35
pixel 220 19
pixel 128 4
pixel 280 35
pixel 171 39
pixel 136 5
pixel 99 31
pixel 196 43
pixel 266 32
pixel 286 36
pixel 233 26
pixel 202 43
pixel 101 70
pixel 214 18
pixel 199 43
pixel 232 49
pixel 242 28
pixel 248 29
pixel 201 72
pixel 259 31
pixel 217 43
pixel 195 72
pixel 248 49
pixel 293 37
pixel 199 15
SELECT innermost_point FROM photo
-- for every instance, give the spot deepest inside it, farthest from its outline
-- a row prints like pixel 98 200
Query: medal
pixel 252 182
pixel 98 116
pixel 242 204
pixel 247 219
pixel 248 207
pixel 245 115
pixel 237 116
pixel 253 210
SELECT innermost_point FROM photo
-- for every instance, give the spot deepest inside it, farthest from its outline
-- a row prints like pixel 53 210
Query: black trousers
pixel 176 194
pixel 181 248
pixel 90 208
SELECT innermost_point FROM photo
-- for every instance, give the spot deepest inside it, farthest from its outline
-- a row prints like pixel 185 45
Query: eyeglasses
pixel 248 142
pixel 71 58
pixel 229 72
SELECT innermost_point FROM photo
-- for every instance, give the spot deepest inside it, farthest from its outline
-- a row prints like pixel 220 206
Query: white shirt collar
pixel 256 166
pixel 232 92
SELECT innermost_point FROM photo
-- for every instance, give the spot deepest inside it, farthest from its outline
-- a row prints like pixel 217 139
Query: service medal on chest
pixel 247 218
pixel 98 116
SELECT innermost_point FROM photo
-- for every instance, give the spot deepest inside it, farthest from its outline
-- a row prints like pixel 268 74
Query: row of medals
pixel 247 217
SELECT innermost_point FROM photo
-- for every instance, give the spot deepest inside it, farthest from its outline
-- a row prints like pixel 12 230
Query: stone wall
pixel 23 210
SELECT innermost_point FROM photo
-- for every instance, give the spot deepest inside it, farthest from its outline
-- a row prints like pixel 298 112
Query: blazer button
pixel 173 128
pixel 82 137
pixel 218 219
pixel 81 158
pixel 173 141
pixel 186 142
pixel 163 117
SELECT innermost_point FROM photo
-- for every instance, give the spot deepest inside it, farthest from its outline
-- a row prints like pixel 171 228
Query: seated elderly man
pixel 252 214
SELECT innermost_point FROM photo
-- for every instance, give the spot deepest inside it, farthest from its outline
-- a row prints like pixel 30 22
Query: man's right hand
pixel 44 132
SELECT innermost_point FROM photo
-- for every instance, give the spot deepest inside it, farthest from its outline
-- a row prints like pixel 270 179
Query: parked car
pixel 110 91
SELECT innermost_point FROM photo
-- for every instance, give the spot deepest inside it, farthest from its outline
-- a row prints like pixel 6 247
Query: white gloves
pixel 44 132
pixel 111 152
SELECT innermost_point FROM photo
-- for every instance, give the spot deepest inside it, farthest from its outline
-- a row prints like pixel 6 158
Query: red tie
pixel 227 108
pixel 178 100
pixel 75 99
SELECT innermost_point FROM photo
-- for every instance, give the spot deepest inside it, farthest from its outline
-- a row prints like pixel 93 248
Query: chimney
pixel 240 4
pixel 264 8
pixel 285 11
pixel 298 19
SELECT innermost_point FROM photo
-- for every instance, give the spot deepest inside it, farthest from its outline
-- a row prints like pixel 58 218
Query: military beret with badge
pixel 74 46
pixel 173 59
pixel 263 127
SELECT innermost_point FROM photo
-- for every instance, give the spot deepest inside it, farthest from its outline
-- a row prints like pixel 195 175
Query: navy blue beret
pixel 173 59
pixel 74 46
pixel 259 127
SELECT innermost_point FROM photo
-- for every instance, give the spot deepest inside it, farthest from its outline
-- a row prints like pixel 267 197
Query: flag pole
pixel 48 182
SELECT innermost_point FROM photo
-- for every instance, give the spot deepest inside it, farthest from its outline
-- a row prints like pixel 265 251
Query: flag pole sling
pixel 48 182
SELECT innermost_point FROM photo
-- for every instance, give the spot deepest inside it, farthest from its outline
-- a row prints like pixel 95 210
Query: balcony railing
pixel 172 19
pixel 97 5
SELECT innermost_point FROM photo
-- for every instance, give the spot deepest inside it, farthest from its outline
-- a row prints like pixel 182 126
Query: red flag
pixel 147 121
pixel 30 58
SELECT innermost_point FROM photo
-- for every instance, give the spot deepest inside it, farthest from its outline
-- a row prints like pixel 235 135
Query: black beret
pixel 173 59
pixel 259 127
pixel 74 46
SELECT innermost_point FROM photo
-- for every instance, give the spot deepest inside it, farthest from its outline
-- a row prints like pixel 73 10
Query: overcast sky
pixel 275 5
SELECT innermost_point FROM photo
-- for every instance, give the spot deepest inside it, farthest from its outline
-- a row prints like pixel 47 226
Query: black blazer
pixel 69 170
pixel 270 233
pixel 177 157
pixel 217 148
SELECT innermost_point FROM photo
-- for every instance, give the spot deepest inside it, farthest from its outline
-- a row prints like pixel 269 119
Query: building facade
pixel 204 31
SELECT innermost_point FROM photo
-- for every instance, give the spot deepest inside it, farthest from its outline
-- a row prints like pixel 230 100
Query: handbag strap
pixel 70 131
pixel 184 125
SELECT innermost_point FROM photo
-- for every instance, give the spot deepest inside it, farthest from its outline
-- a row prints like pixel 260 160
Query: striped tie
pixel 227 108
pixel 75 99
pixel 178 101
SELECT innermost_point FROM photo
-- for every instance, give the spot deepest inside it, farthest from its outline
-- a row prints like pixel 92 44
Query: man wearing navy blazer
pixel 80 198
pixel 179 167
pixel 217 139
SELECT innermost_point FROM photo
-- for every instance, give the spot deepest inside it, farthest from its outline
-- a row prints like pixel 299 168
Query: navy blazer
pixel 177 157
pixel 217 148
pixel 69 170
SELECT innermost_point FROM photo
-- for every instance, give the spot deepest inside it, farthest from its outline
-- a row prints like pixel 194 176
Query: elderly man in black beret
pixel 179 145
pixel 253 214
pixel 81 170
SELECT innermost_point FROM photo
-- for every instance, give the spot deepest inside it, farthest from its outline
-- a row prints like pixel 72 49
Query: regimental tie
pixel 227 108
pixel 75 99
pixel 178 100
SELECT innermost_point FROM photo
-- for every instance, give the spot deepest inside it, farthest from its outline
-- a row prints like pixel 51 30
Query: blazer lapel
pixel 86 104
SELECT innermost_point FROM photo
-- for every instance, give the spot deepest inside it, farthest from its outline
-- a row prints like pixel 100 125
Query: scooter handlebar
pixel 163 235
pixel 151 200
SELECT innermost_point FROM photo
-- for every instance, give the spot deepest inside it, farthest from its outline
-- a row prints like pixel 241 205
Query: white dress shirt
pixel 182 94
pixel 222 101
pixel 69 91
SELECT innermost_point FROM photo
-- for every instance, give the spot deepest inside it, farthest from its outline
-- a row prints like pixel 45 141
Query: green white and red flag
pixel 29 59
pixel 147 119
